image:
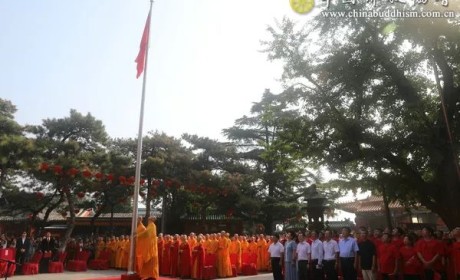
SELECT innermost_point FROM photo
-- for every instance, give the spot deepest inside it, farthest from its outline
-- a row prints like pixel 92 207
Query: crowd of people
pixel 313 255
pixel 424 254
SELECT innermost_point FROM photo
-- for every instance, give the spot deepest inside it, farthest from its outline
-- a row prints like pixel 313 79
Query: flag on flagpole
pixel 140 59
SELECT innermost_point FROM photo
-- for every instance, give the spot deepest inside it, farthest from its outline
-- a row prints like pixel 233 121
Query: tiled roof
pixel 215 217
pixel 368 205
pixel 339 224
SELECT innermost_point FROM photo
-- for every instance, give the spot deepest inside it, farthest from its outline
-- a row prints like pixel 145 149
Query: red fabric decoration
pixel 80 262
pixel 99 176
pixel 81 194
pixel 57 266
pixel 122 180
pixel 44 167
pixel 109 177
pixel 102 262
pixel 156 183
pixel 86 173
pixel 72 172
pixel 168 183
pixel 142 182
pixel 249 264
pixel 209 269
pixel 31 267
pixel 130 181
pixel 57 169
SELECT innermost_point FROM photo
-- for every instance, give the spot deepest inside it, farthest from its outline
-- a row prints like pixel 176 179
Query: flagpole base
pixel 127 276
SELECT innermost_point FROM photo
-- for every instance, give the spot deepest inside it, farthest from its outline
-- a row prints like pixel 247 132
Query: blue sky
pixel 205 66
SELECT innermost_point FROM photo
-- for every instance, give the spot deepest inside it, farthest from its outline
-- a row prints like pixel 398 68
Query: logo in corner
pixel 302 6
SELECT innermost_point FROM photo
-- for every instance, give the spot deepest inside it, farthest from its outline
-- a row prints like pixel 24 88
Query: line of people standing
pixel 384 256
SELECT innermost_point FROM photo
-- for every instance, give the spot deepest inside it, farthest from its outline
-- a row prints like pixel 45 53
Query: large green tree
pixel 281 175
pixel 378 102
pixel 66 147
pixel 228 181
pixel 15 148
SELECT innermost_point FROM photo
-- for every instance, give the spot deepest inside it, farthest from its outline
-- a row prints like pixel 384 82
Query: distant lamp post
pixel 316 205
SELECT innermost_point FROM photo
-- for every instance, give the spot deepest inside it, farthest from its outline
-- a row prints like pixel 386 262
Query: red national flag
pixel 140 59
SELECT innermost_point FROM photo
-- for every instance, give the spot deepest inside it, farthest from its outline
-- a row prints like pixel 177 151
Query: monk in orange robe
pixel 140 243
pixel 100 246
pixel 165 268
pixel 175 255
pixel 252 245
pixel 267 261
pixel 185 258
pixel 212 245
pixel 149 256
pixel 119 252
pixel 261 245
pixel 125 257
pixel 113 250
pixel 235 252
pixel 160 250
pixel 244 244
pixel 198 255
pixel 224 268
pixel 205 241
pixel 192 240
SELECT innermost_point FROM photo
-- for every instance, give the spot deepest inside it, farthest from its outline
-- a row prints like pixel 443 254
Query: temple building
pixel 370 212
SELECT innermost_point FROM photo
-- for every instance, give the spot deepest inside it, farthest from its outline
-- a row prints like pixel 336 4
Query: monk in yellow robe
pixel 244 245
pixel 192 240
pixel 267 261
pixel 113 251
pixel 100 246
pixel 119 252
pixel 261 246
pixel 211 246
pixel 125 256
pixel 224 267
pixel 140 244
pixel 149 253
pixel 253 245
pixel 235 252
pixel 198 258
pixel 205 241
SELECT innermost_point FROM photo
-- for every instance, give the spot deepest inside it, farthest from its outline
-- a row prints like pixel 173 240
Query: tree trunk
pixel 163 214
pixel 71 221
pixel 148 201
pixel 96 215
pixel 386 206
pixel 111 219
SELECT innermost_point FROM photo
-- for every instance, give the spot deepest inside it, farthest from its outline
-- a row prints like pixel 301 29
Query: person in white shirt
pixel 331 256
pixel 276 251
pixel 303 256
pixel 317 255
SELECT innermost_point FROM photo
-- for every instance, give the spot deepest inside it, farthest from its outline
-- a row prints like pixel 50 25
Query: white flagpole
pixel 132 251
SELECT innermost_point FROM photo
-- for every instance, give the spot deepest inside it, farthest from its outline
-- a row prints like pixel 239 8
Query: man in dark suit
pixel 22 248
pixel 48 247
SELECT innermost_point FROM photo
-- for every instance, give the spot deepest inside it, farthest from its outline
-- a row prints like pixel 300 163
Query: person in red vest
pixel 429 252
pixel 455 252
pixel 377 238
pixel 397 239
pixel 387 258
pixel 410 264
pixel 185 261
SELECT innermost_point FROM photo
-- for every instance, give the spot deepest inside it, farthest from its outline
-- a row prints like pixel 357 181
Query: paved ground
pixel 67 275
